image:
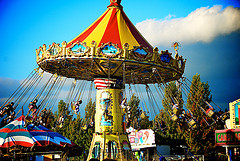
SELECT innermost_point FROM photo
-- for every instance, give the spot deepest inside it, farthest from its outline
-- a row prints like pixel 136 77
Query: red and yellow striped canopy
pixel 115 27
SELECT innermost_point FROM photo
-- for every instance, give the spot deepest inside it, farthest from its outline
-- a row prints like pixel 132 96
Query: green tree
pixel 173 134
pixel 202 140
pixel 62 108
pixel 135 112
pixel 138 118
pixel 73 127
pixel 63 111
pixel 86 136
pixel 50 119
pixel 90 110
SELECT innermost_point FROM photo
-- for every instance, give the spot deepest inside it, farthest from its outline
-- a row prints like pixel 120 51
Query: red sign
pixel 227 137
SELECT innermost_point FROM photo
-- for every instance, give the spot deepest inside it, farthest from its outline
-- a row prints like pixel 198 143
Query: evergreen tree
pixel 73 127
pixel 64 112
pixel 202 140
pixel 138 117
pixel 50 119
pixel 86 137
pixel 145 123
pixel 62 108
pixel 90 112
pixel 173 133
pixel 135 112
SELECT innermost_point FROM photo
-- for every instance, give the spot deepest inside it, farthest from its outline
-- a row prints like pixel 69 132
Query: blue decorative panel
pixel 165 58
pixel 109 50
pixel 140 51
pixel 53 51
pixel 78 48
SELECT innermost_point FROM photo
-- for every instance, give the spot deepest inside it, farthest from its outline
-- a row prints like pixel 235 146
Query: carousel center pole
pixel 110 138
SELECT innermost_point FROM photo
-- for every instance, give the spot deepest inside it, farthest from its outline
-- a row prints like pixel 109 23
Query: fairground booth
pixel 142 143
pixel 229 138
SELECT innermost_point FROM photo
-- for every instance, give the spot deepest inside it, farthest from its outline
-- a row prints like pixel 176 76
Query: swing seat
pixel 210 112
pixel 28 118
pixel 73 107
pixel 224 116
pixel 143 115
pixel 174 118
pixel 108 117
pixel 177 111
pixel 124 110
pixel 85 127
pixel 192 123
pixel 2 113
pixel 69 116
pixel 31 108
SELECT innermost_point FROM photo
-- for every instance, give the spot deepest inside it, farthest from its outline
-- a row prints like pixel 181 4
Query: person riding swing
pixel 42 117
pixel 7 109
pixel 77 104
pixel 33 107
pixel 11 117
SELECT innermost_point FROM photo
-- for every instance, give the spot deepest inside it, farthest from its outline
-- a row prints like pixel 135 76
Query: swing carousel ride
pixel 116 57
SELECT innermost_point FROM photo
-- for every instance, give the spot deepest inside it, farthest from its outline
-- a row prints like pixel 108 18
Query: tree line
pixel 167 131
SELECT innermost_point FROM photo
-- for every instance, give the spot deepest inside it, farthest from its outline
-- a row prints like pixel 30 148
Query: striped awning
pixel 16 134
pixel 113 26
pixel 43 136
pixel 101 83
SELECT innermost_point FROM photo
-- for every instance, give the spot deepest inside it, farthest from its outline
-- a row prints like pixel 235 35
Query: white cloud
pixel 202 25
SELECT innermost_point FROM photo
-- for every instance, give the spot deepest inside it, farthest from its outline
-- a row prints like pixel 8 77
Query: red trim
pixel 113 4
pixel 7 130
pixel 208 110
pixel 12 143
pixel 225 133
pixel 63 143
pixel 136 33
pixel 21 118
pixel 84 35
pixel 111 33
pixel 221 144
pixel 39 143
pixel 39 131
pixel 238 116
pixel 227 130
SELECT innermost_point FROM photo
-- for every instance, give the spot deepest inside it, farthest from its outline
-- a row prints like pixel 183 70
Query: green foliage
pixel 90 111
pixel 172 134
pixel 72 127
pixel 50 120
pixel 135 112
pixel 137 121
pixel 62 108
pixel 202 140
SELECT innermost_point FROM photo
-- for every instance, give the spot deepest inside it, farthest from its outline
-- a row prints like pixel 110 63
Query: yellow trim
pixel 232 114
pixel 124 32
pixel 98 32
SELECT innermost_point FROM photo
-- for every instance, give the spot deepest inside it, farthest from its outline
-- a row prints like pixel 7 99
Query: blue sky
pixel 208 31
